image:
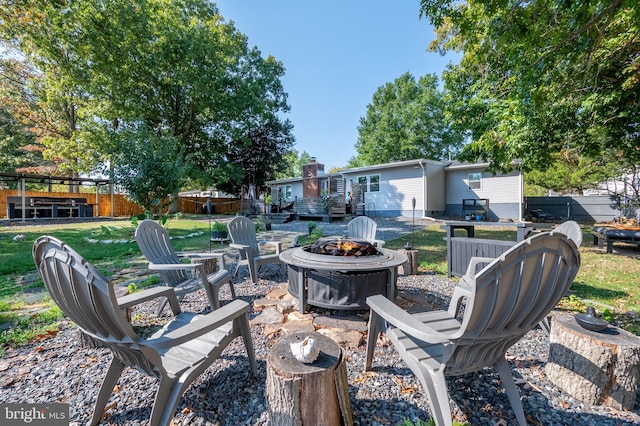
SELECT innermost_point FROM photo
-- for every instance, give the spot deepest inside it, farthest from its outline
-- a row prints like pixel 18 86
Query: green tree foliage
pixel 151 73
pixel 571 175
pixel 149 166
pixel 18 151
pixel 540 80
pixel 292 163
pixel 404 121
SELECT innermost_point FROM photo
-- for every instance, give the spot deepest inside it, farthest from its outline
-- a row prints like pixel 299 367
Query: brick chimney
pixel 310 178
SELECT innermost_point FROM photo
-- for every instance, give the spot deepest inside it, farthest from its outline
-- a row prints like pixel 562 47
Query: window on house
pixel 362 180
pixel 285 193
pixel 370 183
pixel 475 181
pixel 374 183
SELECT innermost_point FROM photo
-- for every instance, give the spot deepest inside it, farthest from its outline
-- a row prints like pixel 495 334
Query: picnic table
pixel 608 234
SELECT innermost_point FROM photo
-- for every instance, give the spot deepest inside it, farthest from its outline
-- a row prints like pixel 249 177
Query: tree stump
pixel 594 367
pixel 307 394
pixel 411 267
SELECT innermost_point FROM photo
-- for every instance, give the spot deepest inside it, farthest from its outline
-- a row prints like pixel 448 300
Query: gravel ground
pixel 59 369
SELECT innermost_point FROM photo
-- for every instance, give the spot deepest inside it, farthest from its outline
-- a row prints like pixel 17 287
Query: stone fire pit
pixel 340 273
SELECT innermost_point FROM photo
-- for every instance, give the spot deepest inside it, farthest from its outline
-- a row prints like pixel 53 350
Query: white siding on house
pixel 498 189
pixel 398 186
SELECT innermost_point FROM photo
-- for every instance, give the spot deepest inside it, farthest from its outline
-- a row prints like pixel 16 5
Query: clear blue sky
pixel 336 54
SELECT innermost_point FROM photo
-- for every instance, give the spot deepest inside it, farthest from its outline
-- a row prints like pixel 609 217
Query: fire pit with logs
pixel 340 273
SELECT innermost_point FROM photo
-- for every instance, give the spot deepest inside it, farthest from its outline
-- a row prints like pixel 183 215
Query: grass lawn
pixel 610 281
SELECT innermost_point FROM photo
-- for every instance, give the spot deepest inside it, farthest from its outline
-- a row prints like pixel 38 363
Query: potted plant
pixel 311 225
pixel 219 230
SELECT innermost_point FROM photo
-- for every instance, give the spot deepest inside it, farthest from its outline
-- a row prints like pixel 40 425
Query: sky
pixel 336 53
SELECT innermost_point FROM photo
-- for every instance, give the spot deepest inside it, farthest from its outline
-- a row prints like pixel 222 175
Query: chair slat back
pixel 88 299
pixel 511 295
pixel 83 294
pixel 243 231
pixel 155 245
pixel 362 227
pixel 572 230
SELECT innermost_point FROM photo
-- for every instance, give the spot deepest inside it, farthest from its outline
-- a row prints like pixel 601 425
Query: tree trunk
pixel 594 367
pixel 307 394
pixel 173 203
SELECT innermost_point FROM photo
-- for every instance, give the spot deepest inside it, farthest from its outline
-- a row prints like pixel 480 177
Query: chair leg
pixel 545 326
pixel 166 402
pixel 242 323
pixel 253 271
pixel 435 386
pixel 372 337
pixel 106 389
pixel 502 367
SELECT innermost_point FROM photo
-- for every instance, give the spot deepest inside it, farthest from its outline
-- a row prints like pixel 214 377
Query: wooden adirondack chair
pixel 500 303
pixel 365 228
pixel 155 244
pixel 243 236
pixel 176 354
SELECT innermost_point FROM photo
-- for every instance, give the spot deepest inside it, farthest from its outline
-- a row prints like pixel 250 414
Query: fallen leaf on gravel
pixel 367 375
pixel 403 388
pixel 90 359
pixel 186 410
pixel 107 408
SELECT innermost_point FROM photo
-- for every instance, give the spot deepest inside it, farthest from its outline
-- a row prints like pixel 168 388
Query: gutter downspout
pixel 424 190
pixel 521 191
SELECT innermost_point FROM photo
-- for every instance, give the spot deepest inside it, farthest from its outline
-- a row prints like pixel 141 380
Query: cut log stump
pixel 594 367
pixel 307 394
pixel 411 266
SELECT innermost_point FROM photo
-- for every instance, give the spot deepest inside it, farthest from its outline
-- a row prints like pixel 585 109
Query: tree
pixel 18 149
pixel 258 153
pixel 542 79
pixel 404 121
pixel 171 70
pixel 292 162
pixel 37 92
pixel 148 166
pixel 186 74
pixel 571 175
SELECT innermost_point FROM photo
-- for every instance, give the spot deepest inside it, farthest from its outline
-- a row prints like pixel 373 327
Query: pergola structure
pixel 23 178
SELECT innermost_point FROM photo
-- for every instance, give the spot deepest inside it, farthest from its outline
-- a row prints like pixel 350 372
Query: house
pixel 438 189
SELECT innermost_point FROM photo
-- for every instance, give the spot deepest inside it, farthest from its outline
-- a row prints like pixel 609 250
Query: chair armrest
pixel 403 320
pixel 474 261
pixel 277 244
pixel 203 325
pixel 218 256
pixel 239 246
pixel 149 294
pixel 173 266
pixel 460 291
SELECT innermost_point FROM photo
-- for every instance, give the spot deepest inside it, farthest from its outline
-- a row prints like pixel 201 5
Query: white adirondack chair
pixel 155 244
pixel 243 236
pixel 176 354
pixel 572 230
pixel 365 228
pixel 500 303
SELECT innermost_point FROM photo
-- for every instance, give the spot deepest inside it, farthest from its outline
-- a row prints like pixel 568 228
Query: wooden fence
pixel 122 207
pixel 198 205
